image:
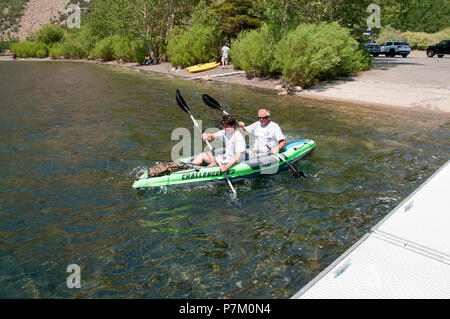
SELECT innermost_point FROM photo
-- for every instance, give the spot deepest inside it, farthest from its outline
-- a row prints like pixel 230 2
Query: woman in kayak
pixel 266 133
pixel 234 145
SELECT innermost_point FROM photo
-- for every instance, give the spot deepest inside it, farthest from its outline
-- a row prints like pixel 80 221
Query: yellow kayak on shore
pixel 202 67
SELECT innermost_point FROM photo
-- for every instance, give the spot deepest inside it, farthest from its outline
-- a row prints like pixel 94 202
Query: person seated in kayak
pixel 267 133
pixel 234 145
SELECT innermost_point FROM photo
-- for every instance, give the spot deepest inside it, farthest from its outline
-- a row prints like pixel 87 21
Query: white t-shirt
pixel 233 143
pixel 225 50
pixel 270 135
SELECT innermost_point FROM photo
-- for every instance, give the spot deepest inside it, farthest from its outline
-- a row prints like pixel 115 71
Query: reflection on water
pixel 73 136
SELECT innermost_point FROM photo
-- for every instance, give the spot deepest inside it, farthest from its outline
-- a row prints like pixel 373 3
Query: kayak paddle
pixel 185 108
pixel 297 172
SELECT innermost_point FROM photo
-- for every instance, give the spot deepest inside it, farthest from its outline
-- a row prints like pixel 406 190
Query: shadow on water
pixel 73 137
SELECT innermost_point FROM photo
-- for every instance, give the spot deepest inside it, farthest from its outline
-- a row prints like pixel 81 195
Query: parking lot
pixel 415 82
pixel 416 69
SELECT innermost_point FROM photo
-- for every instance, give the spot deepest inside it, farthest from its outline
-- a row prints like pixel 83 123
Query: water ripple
pixel 74 137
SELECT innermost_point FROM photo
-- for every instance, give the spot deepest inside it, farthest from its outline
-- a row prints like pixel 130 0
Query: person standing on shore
pixel 266 133
pixel 224 55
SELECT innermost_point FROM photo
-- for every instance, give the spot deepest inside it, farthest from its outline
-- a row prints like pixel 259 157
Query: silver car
pixel 393 48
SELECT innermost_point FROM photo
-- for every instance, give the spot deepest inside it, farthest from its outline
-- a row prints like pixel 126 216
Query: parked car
pixel 372 47
pixel 440 49
pixel 369 33
pixel 393 48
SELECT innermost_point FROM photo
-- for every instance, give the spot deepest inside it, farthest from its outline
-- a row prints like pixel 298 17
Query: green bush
pixel 28 49
pixel 41 52
pixel 6 45
pixel 253 51
pixel 420 40
pixel 105 49
pixel 443 34
pixel 70 50
pixel 77 43
pixel 388 33
pixel 124 48
pixel 140 50
pixel 49 33
pixel 313 53
pixel 199 44
pixel 120 47
pixel 417 40
pixel 55 52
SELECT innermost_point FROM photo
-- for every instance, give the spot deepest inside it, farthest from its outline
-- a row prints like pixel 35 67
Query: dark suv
pixel 440 49
pixel 372 47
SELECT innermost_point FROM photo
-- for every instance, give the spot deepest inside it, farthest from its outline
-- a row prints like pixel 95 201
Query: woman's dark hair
pixel 228 120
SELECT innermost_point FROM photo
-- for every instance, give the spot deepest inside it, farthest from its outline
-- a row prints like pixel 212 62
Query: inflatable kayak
pixel 196 175
pixel 202 67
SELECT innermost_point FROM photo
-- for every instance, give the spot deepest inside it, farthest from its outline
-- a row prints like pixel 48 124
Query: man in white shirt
pixel 234 145
pixel 224 54
pixel 267 133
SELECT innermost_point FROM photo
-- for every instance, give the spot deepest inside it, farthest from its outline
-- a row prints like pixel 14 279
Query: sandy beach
pixel 414 83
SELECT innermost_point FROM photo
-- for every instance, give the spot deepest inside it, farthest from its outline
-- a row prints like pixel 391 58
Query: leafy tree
pixel 290 13
pixel 235 16
pixel 287 13
pixel 106 18
pixel 202 14
pixel 428 16
pixel 148 20
pixel 415 15
pixel 405 15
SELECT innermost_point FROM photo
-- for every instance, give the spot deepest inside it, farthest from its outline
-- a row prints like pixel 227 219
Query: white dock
pixel 405 256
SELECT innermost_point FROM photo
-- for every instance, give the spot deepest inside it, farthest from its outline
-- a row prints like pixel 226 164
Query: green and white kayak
pixel 293 152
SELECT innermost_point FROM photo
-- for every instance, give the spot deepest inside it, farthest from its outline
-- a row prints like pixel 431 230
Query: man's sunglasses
pixel 263 118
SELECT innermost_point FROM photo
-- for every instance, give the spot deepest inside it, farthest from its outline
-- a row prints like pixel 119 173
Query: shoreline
pixel 373 88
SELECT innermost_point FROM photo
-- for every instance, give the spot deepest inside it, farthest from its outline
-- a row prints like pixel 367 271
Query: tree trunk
pixel 286 6
pixel 150 49
pixel 148 33
pixel 331 10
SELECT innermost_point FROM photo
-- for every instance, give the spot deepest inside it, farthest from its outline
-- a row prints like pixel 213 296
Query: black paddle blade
pixel 298 172
pixel 181 102
pixel 211 102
